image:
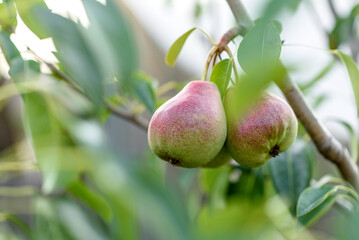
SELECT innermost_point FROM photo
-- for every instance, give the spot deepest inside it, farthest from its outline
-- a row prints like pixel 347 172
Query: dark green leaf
pixel 143 89
pixel 313 197
pixel 317 212
pixel 221 75
pixel 29 12
pixel 176 48
pixel 291 171
pixel 260 48
pixel 353 72
pixel 8 48
pixel 92 199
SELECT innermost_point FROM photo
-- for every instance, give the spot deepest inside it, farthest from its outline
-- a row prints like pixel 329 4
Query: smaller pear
pixel 190 129
pixel 266 129
pixel 220 159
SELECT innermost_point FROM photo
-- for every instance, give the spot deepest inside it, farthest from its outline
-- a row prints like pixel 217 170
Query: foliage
pixel 90 192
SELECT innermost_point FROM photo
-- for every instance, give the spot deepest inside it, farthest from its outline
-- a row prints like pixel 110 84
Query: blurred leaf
pixel 8 14
pixel 260 48
pixel 75 55
pixel 291 171
pixel 221 75
pixel 318 100
pixel 214 183
pixel 250 185
pixel 109 39
pixel 143 89
pixel 76 222
pixel 311 83
pixel 353 72
pixel 29 13
pixel 343 29
pixel 198 9
pixel 176 48
pixel 354 142
pixel 240 219
pixel 46 221
pixel 346 225
pixel 93 199
pixel 8 48
pixel 274 7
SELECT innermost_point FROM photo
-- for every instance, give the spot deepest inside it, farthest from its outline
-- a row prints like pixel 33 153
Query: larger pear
pixel 266 129
pixel 190 129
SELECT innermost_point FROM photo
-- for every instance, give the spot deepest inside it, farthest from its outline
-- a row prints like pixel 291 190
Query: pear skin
pixel 190 129
pixel 266 129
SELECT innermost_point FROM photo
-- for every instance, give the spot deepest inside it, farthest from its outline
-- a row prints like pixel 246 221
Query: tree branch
pixel 326 144
pixel 132 118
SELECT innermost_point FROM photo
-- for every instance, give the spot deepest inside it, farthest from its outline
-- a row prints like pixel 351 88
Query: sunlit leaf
pixel 176 48
pixel 8 14
pixel 75 55
pixel 221 75
pixel 29 12
pixel 109 39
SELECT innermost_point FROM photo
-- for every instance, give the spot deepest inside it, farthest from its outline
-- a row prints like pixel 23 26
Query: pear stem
pixel 324 141
pixel 208 62
pixel 236 74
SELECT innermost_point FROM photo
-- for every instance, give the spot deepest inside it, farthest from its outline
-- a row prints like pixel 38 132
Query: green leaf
pixel 176 48
pixel 8 48
pixel 221 75
pixel 291 171
pixel 29 12
pixel 8 14
pixel 75 55
pixel 142 85
pixel 93 199
pixel 260 48
pixel 316 213
pixel 313 197
pixel 353 72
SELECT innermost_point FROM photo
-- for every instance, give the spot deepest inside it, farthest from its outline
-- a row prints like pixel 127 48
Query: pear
pixel 266 129
pixel 190 129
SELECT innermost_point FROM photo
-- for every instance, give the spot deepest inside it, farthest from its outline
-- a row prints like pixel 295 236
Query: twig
pixel 132 118
pixel 326 144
